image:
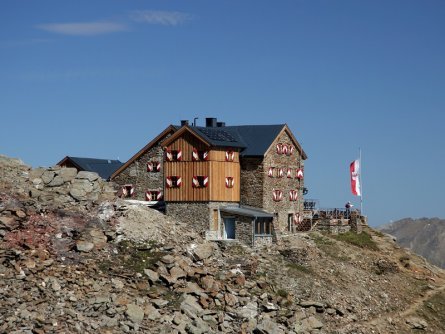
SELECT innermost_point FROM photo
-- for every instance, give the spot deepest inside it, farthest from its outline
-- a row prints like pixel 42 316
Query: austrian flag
pixel 354 168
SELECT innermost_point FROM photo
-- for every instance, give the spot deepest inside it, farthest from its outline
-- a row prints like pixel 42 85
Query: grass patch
pixel 132 257
pixel 329 247
pixel 282 293
pixel 362 240
pixel 433 311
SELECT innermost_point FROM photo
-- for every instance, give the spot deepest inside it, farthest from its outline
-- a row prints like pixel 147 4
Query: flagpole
pixel 360 180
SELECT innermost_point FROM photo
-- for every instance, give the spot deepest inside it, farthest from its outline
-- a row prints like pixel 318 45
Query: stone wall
pixel 137 175
pixel 243 229
pixel 263 241
pixel 284 207
pixel 199 215
pixel 62 187
pixel 252 176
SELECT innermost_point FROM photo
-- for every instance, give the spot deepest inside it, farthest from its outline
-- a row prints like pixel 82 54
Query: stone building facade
pixel 144 171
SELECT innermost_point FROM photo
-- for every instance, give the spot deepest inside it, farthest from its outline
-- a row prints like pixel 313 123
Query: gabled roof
pixel 210 136
pixel 103 167
pixel 252 140
pixel 169 130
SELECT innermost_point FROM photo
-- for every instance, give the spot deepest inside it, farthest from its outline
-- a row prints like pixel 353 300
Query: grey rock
pixel 151 312
pixel 56 181
pixel 159 302
pixel 168 259
pixel 47 176
pixel 191 307
pixel 67 173
pixel 153 276
pixel 204 251
pixel 78 194
pixel 84 246
pixel 311 323
pixel 135 313
pixel 90 176
pixel 267 326
pixel 417 323
pixel 249 311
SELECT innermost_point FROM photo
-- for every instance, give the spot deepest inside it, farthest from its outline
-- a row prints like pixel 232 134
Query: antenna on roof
pixel 194 121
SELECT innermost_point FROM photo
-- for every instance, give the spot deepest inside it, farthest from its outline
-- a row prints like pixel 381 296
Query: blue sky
pixel 102 78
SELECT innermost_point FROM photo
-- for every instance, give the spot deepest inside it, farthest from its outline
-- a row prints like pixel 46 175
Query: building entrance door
pixel 229 228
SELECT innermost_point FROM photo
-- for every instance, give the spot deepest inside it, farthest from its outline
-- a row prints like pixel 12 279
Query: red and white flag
pixel 354 168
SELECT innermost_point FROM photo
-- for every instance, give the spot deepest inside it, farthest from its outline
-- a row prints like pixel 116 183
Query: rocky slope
pixel 424 236
pixel 94 264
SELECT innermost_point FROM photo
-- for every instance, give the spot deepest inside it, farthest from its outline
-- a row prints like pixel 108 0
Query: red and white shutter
pixel 280 172
pixel 159 195
pixel 289 173
pixel 132 191
pixel 168 182
pixel 280 148
pixel 168 155
pixel 291 150
pixel 230 182
pixel 270 171
pixel 293 195
pixel 179 156
pixel 124 191
pixel 158 166
pixel 205 182
pixel 277 195
pixel 195 182
pixel 205 155
pixel 297 218
pixel 149 166
pixel 285 149
pixel 179 182
pixel 299 173
pixel 230 155
pixel 148 196
pixel 195 155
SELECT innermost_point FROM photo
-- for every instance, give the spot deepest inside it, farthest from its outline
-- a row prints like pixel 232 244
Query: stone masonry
pixel 136 173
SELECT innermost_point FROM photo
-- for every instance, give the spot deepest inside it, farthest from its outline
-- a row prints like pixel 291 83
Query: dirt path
pixel 414 305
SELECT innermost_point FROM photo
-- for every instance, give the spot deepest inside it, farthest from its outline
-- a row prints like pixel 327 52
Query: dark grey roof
pixel 247 211
pixel 253 140
pixel 103 167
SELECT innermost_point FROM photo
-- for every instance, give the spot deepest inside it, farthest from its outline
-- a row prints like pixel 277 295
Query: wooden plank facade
pixel 215 167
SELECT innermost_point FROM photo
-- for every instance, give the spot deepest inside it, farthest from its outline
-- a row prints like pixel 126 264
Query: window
pixel 153 166
pixel 277 195
pixel 293 195
pixel 263 227
pixel 127 191
pixel 230 182
pixel 173 155
pixel 230 155
pixel 200 181
pixel 153 195
pixel 173 181
pixel 270 171
pixel 200 155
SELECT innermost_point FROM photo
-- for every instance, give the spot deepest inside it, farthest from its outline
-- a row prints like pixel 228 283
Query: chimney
pixel 210 122
pixel 184 122
pixel 220 124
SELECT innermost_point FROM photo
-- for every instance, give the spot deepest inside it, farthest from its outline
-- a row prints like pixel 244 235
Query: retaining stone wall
pixel 252 178
pixel 62 187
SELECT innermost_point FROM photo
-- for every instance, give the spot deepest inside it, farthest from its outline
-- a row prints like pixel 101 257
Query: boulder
pixel 135 313
pixel 204 251
pixel 56 181
pixel 191 307
pixel 67 174
pixel 84 246
pixel 90 176
pixel 267 326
